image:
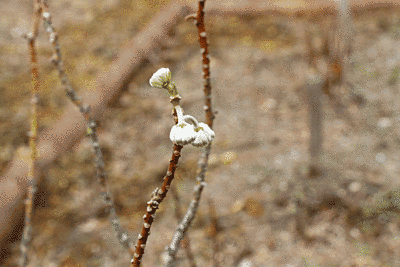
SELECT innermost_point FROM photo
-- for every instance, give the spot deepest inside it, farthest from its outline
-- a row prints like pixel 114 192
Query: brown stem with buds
pixel 206 62
pixel 157 197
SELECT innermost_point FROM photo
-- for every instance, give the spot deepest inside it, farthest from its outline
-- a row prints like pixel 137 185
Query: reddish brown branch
pixel 206 62
pixel 153 205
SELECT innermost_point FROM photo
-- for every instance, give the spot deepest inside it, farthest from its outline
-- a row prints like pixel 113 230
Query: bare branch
pixel 31 38
pixel 186 240
pixel 120 232
pixel 152 206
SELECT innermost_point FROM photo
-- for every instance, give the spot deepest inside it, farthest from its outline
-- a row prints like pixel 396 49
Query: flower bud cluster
pixel 188 130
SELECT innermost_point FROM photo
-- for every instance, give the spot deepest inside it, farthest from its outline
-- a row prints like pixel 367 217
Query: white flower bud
pixel 161 79
pixel 204 135
pixel 182 134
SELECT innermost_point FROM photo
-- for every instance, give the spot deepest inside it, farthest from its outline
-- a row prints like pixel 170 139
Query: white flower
pixel 161 79
pixel 188 130
pixel 204 135
pixel 182 134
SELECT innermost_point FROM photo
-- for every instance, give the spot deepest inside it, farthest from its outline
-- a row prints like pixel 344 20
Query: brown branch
pixel 158 194
pixel 27 231
pixel 152 206
pixel 206 62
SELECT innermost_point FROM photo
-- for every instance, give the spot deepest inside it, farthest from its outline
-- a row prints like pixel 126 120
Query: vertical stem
pixel 206 62
pixel 121 234
pixel 213 232
pixel 153 205
pixel 26 236
pixel 186 239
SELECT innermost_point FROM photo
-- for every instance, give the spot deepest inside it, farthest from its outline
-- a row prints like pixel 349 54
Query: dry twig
pixel 31 38
pixel 157 197
pixel 56 59
pixel 186 240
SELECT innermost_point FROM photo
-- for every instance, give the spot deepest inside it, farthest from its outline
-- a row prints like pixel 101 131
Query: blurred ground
pixel 259 160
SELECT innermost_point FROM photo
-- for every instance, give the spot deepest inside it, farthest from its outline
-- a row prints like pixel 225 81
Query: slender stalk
pixel 186 240
pixel 27 232
pixel 56 59
pixel 314 92
pixel 206 62
pixel 184 225
pixel 121 233
pixel 152 206
pixel 191 212
pixel 158 195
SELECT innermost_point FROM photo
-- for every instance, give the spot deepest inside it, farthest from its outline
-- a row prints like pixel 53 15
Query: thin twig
pixel 206 63
pixel 314 96
pixel 157 197
pixel 184 225
pixel 56 59
pixel 27 232
pixel 186 240
pixel 190 213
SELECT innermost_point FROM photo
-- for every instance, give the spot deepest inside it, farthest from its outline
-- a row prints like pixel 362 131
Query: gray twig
pixel 186 240
pixel 191 212
pixel 121 233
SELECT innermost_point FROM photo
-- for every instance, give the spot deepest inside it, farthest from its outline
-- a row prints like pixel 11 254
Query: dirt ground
pixel 257 181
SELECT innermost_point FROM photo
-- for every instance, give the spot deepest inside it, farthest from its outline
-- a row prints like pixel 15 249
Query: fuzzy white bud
pixel 204 135
pixel 182 134
pixel 161 79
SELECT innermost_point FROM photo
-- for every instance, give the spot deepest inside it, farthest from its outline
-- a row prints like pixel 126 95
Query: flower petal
pixel 182 134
